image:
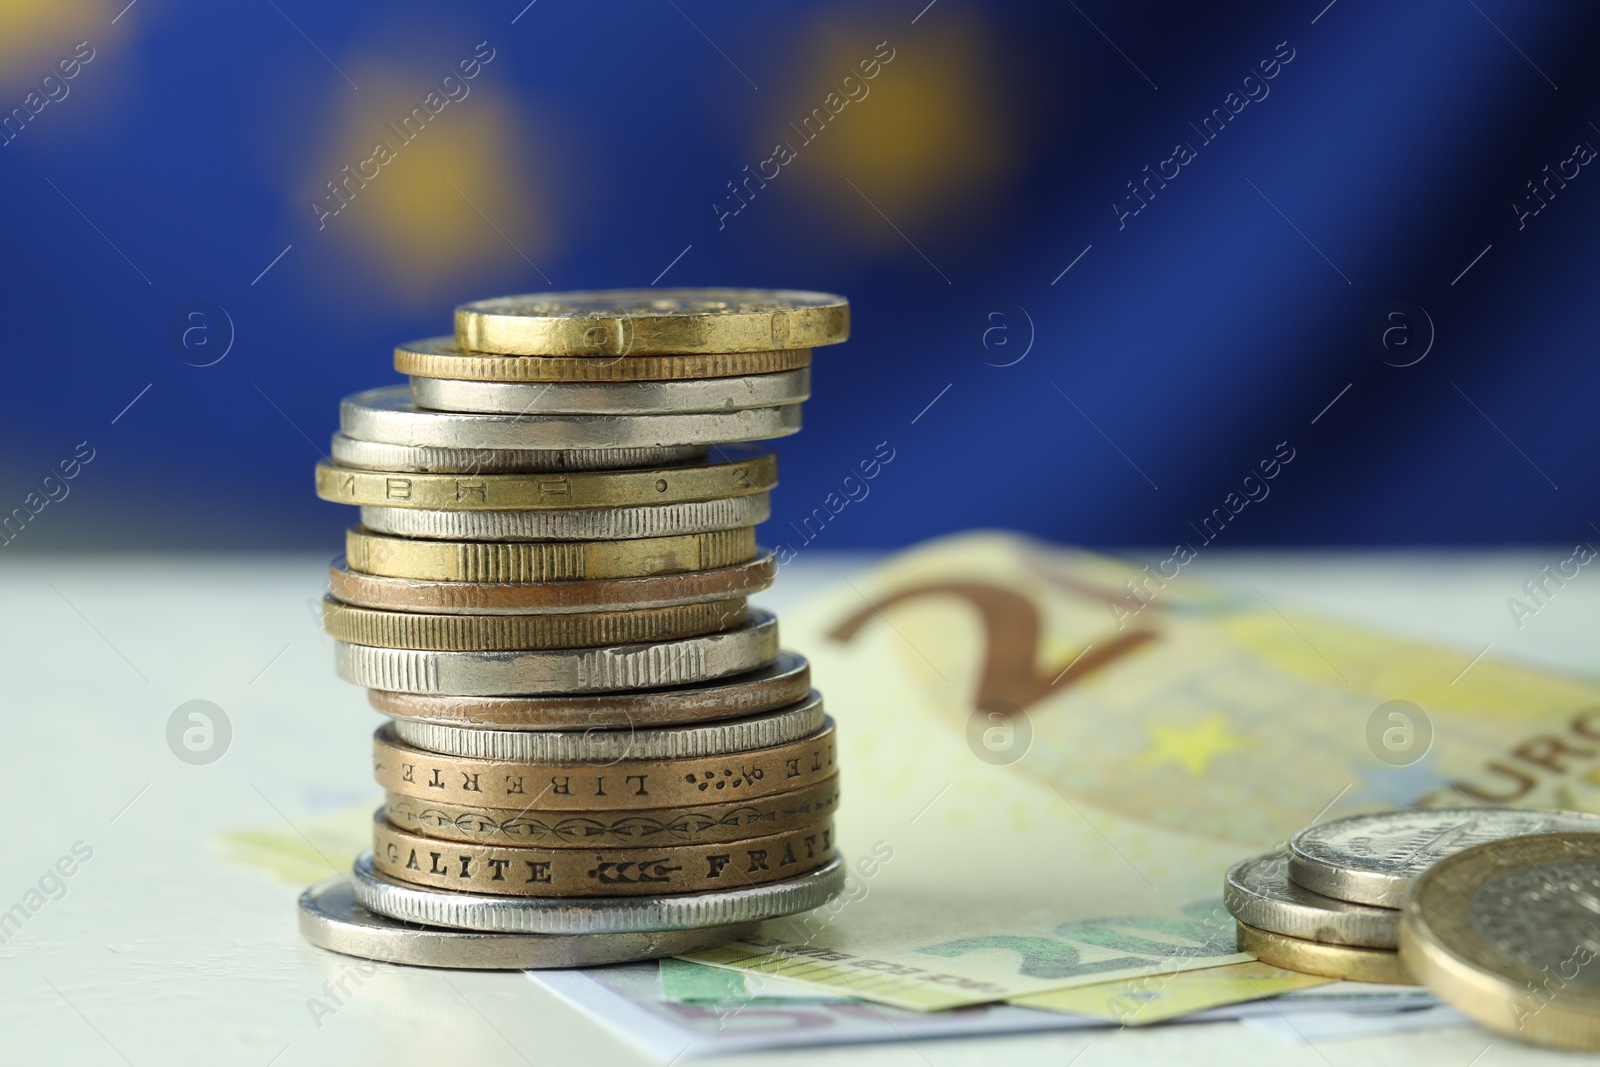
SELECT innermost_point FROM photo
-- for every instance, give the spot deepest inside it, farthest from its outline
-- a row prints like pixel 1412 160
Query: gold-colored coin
pixel 438 357
pixel 751 472
pixel 631 784
pixel 546 561
pixel 1316 957
pixel 734 820
pixel 652 322
pixel 494 633
pixel 1505 933
pixel 568 872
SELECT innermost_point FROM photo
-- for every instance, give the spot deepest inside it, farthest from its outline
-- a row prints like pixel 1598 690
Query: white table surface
pixel 166 951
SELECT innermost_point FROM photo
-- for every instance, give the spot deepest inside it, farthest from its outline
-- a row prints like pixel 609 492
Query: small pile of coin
pixel 597 750
pixel 1496 910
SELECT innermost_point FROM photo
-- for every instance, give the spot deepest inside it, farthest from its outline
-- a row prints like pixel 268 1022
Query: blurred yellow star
pixel 1191 747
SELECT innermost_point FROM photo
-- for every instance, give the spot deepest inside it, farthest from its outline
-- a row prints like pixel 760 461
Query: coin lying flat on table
pixel 652 321
pixel 438 357
pixel 588 785
pixel 508 598
pixel 1258 892
pixel 1506 933
pixel 746 471
pixel 609 746
pixel 1373 859
pixel 412 459
pixel 545 915
pixel 483 633
pixel 1315 957
pixel 331 918
pixel 546 561
pixel 572 524
pixel 733 820
pixel 783 682
pixel 612 398
pixel 684 661
pixel 388 416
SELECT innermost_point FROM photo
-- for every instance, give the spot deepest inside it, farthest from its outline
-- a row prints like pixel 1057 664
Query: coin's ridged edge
pixel 482 367
pixel 1331 961
pixel 422 459
pixel 627 523
pixel 509 633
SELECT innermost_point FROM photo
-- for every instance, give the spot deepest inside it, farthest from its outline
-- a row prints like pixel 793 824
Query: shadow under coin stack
pixel 597 751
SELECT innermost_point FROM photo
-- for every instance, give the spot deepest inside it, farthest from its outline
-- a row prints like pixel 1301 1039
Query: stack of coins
pixel 1331 903
pixel 597 750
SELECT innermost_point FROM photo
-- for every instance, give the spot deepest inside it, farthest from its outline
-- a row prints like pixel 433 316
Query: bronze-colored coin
pixel 438 357
pixel 747 472
pixel 507 598
pixel 631 784
pixel 568 872
pixel 546 561
pixel 734 820
pixel 785 682
pixel 490 633
pixel 648 322
pixel 1316 957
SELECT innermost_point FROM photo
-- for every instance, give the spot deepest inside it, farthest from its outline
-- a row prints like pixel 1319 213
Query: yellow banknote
pixel 1155 998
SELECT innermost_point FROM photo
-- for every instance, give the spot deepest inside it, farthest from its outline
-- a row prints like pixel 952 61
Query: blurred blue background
pixel 1376 255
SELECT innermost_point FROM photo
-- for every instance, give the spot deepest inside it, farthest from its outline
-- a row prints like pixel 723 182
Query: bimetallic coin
pixel 785 681
pixel 686 661
pixel 1508 933
pixel 373 455
pixel 734 820
pixel 594 915
pixel 1373 859
pixel 331 918
pixel 515 598
pixel 608 746
pixel 572 524
pixel 652 322
pixel 438 357
pixel 566 873
pixel 612 398
pixel 486 633
pixel 1332 961
pixel 546 561
pixel 388 416
pixel 740 472
pixel 1258 893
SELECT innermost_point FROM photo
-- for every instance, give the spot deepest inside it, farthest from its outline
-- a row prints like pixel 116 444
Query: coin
pixel 546 561
pixel 1373 859
pixel 746 471
pixel 605 746
pixel 388 416
pixel 652 322
pixel 526 871
pixel 438 357
pixel 331 918
pixel 584 785
pixel 483 633
pixel 785 681
pixel 505 598
pixel 1257 892
pixel 374 455
pixel 732 820
pixel 572 524
pixel 612 398
pixel 1506 933
pixel 1332 961
pixel 593 915
pixel 685 661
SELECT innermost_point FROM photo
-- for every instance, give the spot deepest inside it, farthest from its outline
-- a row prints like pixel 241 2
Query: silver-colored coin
pixel 594 915
pixel 331 918
pixel 388 416
pixel 613 398
pixel 572 524
pixel 376 456
pixel 611 745
pixel 1373 859
pixel 654 665
pixel 1258 893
